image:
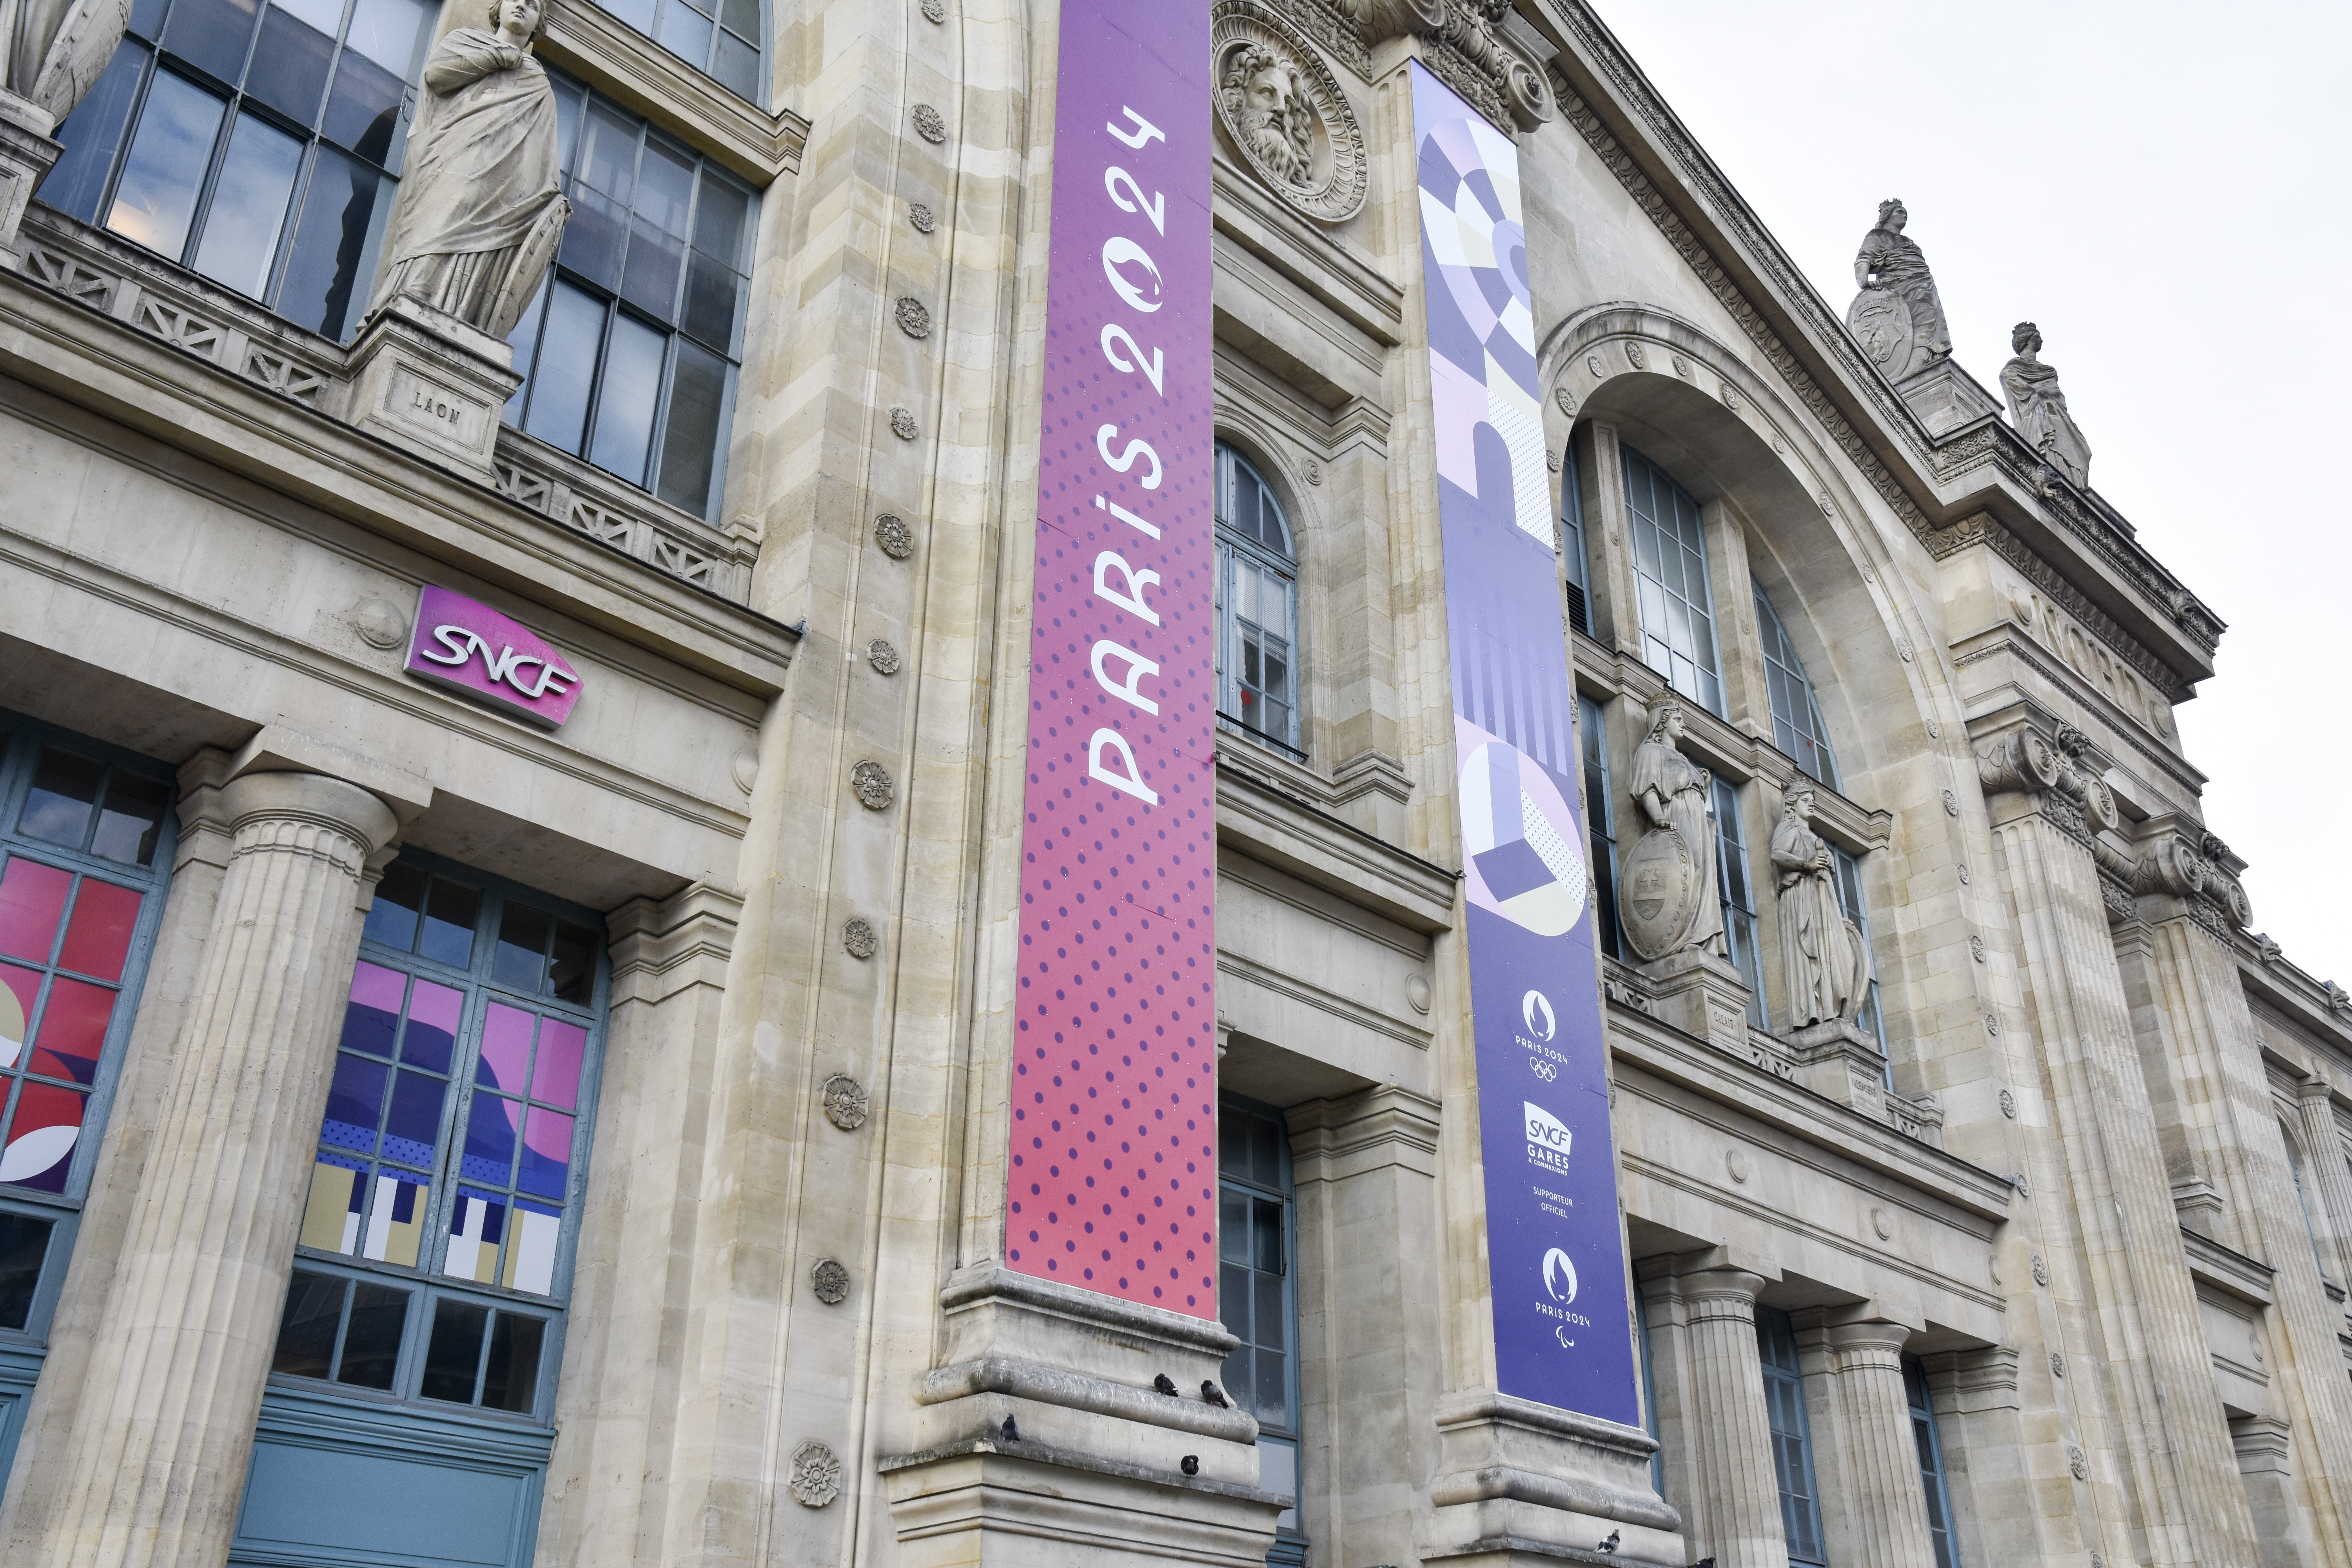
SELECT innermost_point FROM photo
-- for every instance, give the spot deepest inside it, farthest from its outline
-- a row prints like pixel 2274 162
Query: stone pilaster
pixel 2330 1173
pixel 1866 1461
pixel 1719 1443
pixel 156 1450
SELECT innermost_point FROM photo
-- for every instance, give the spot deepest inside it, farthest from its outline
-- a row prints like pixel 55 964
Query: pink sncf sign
pixel 464 644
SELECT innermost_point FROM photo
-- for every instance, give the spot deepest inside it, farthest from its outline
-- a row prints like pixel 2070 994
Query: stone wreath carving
pixel 921 217
pixel 831 1281
pixel 816 1475
pixel 928 123
pixel 903 426
pixel 935 11
pixel 882 657
pixel 858 937
pixel 892 533
pixel 1284 113
pixel 913 318
pixel 845 1102
pixel 871 782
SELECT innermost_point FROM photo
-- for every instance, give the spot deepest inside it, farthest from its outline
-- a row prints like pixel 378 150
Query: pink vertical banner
pixel 1112 1184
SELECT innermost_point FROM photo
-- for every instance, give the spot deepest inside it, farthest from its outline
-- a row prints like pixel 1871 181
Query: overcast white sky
pixel 2162 187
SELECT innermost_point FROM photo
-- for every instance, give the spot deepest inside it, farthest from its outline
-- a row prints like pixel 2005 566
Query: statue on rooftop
pixel 2038 408
pixel 1821 961
pixel 1897 318
pixel 481 209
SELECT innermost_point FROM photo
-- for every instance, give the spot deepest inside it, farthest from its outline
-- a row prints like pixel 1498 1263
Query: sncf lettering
pixel 508 665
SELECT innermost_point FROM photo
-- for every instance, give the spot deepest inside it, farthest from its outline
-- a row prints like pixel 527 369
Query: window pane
pixel 335 242
pixel 556 1077
pixel 322 15
pixel 686 33
pixel 713 288
pixel 131 820
pixel 32 898
pixel 521 957
pixel 363 110
pixel 524 341
pixel 450 916
pixel 157 195
pixel 412 1126
pixel 355 1103
pixel 607 181
pixel 454 1353
pixel 741 17
pixel 546 1153
pixel 291 63
pixel 392 32
pixel 93 134
pixel 211 35
pixel 505 1058
pixel 737 66
pixel 625 402
pixel 571 973
pixel 98 938
pixel 698 393
pixel 399 900
pixel 510 1380
pixel 490 1140
pixel 24 1244
pixel 658 234
pixel 565 371
pixel 432 1032
pixel 43 1133
pixel 637 14
pixel 372 1342
pixel 73 1031
pixel 249 209
pixel 306 1329
pixel 65 791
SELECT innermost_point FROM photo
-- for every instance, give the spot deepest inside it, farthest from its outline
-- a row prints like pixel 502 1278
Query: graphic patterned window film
pixel 628 351
pixel 1932 1486
pixel 1736 880
pixel 1792 1444
pixel 1601 821
pixel 258 143
pixel 448 1164
pixel 1797 727
pixel 1677 606
pixel 1258 607
pixel 717 37
pixel 1257 1296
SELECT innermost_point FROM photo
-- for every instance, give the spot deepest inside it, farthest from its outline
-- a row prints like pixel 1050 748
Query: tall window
pixel 2302 1199
pixel 1574 564
pixel 1792 1442
pixel 629 352
pixel 1938 1495
pixel 1649 1391
pixel 1849 887
pixel 1797 727
pixel 1601 822
pixel 717 37
pixel 1670 574
pixel 256 143
pixel 1257 606
pixel 1736 885
pixel 435 1244
pixel 1257 1294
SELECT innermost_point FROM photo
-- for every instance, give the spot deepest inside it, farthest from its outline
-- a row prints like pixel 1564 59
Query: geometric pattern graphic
pixel 65 941
pixel 1111 1176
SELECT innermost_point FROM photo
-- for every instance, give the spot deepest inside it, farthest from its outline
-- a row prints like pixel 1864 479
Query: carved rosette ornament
pixel 830 1280
pixel 872 783
pixel 845 1102
pixel 815 1475
pixel 857 938
pixel 890 532
pixel 1285 114
pixel 914 320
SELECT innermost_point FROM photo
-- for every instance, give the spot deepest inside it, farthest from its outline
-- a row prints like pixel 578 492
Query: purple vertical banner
pixel 1555 1247
pixel 1112 1182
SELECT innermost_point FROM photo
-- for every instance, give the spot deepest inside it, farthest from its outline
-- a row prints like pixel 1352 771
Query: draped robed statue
pixel 1822 958
pixel 57 49
pixel 481 208
pixel 1670 903
pixel 2039 409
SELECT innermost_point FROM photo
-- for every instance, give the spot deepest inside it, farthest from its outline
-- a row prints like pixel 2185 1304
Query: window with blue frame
pixel 436 1239
pixel 629 350
pixel 1575 565
pixel 722 38
pixel 1793 1442
pixel 1936 1494
pixel 1670 575
pixel 1736 884
pixel 258 143
pixel 1599 823
pixel 1258 607
pixel 1797 727
pixel 1257 1294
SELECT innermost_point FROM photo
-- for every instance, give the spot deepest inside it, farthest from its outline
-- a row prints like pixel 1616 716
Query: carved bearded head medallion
pixel 1285 115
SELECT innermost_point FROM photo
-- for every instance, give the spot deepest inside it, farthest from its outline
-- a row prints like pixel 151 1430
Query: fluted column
pixel 1712 1415
pixel 2329 1170
pixel 165 1422
pixel 1877 1513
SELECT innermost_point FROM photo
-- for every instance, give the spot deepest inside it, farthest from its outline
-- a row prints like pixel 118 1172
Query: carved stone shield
pixel 1880 321
pixel 1661 893
pixel 530 265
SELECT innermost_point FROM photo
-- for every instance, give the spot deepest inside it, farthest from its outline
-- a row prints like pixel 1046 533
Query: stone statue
pixel 57 49
pixel 1897 318
pixel 1821 956
pixel 1671 902
pixel 1272 112
pixel 2038 408
pixel 480 209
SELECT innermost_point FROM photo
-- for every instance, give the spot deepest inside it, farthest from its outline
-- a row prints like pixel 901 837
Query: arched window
pixel 260 144
pixel 629 352
pixel 1797 727
pixel 1670 574
pixel 1257 606
pixel 717 37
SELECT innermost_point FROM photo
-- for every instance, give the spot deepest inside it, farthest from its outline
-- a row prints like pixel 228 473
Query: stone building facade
pixel 447 1130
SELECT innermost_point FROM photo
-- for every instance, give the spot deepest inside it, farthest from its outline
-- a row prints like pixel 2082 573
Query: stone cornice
pixel 585 41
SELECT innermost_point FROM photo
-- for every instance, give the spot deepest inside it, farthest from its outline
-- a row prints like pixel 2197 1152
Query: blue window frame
pixel 722 38
pixel 1797 727
pixel 1257 1294
pixel 1575 565
pixel 1736 884
pixel 1670 574
pixel 258 143
pixel 86 840
pixel 1936 1494
pixel 629 350
pixel 1600 823
pixel 436 1239
pixel 1793 1442
pixel 1258 607
pixel 1649 1391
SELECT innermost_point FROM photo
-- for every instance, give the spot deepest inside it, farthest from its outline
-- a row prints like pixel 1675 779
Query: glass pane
pixel 626 401
pixel 454 1353
pixel 1232 1142
pixel 73 1031
pixel 1267 1255
pixel 1271 1398
pixel 335 242
pixel 478 1224
pixel 490 1139
pixel 556 1077
pixel 399 900
pixel 741 17
pixel 1233 1308
pixel 291 63
pixel 524 341
pixel 510 1379
pixel 637 14
pixel 306 1327
pixel 42 1136
pixel 98 938
pixel 432 1034
pixel 713 282
pixel 607 178
pixel 321 16
pixel 211 35
pixel 20 999
pixel 391 33
pixel 411 1127
pixel 686 33
pixel 571 973
pixel 24 1244
pixel 565 371
pixel 530 1246
pixel 1233 1227
pixel 658 236
pixel 521 960
pixel 690 441
pixel 249 209
pixel 737 66
pixel 363 110
pixel 450 916
pixel 93 134
pixel 372 1021
pixel 146 16
pixel 32 897
pixel 546 1153
pixel 504 1060
pixel 157 195
pixel 354 1103
pixel 65 790
pixel 131 819
pixel 372 1342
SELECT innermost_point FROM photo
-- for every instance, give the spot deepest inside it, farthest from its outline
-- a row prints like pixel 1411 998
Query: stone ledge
pixel 1046 1453
pixel 1018 1378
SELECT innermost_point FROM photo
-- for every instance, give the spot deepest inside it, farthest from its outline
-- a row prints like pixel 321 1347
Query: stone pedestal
pixel 1840 1060
pixel 1516 1479
pixel 164 1426
pixel 426 382
pixel 1702 994
pixel 1868 1462
pixel 26 151
pixel 1945 396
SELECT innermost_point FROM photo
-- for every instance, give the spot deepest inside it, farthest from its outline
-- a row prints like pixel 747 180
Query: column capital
pixel 255 803
pixel 1868 1339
